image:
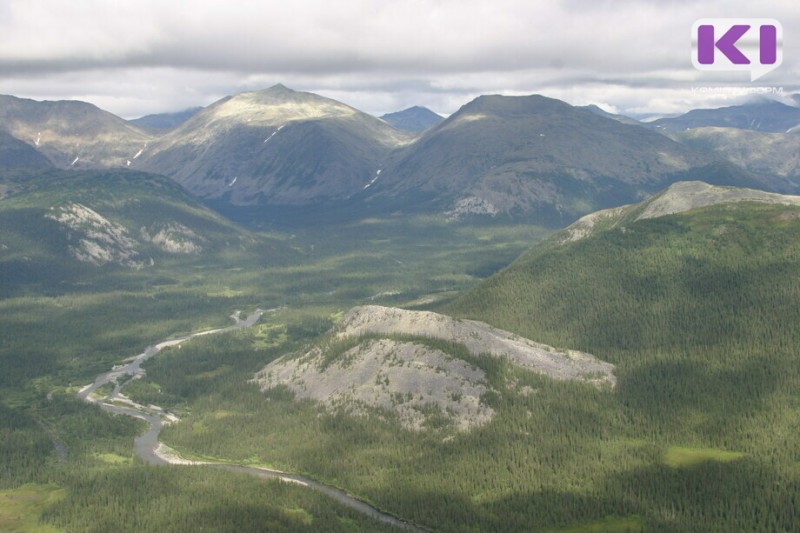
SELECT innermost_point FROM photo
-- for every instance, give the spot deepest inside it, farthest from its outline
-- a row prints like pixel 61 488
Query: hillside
pixel 652 262
pixel 537 158
pixel 57 225
pixel 694 295
pixel 770 154
pixel 276 146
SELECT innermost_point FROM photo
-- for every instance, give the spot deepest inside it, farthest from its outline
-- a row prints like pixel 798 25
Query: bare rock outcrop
pixel 479 338
pixel 387 369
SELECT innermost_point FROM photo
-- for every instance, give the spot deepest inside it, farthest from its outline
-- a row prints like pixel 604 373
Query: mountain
pixel 164 121
pixel 414 119
pixel 277 146
pixel 762 115
pixel 73 134
pixel 17 154
pixel 536 158
pixel 59 226
pixel 769 154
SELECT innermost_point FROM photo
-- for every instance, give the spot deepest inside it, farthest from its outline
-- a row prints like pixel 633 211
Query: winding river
pixel 150 450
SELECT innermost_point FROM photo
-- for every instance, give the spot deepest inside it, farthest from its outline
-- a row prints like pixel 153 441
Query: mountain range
pixel 761 115
pixel 524 158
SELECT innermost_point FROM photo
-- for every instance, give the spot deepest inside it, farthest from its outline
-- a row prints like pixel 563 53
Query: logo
pixel 749 45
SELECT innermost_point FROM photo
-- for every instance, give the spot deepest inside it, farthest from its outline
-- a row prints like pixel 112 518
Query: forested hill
pixel 700 311
pixel 695 266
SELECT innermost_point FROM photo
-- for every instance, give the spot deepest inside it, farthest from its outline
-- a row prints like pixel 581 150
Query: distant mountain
pixel 762 115
pixel 414 119
pixel 165 121
pixel 277 146
pixel 73 134
pixel 770 154
pixel 17 154
pixel 57 226
pixel 603 113
pixel 537 158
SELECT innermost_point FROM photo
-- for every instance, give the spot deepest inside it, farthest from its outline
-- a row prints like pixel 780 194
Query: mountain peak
pixel 276 106
pixel 414 119
pixel 515 105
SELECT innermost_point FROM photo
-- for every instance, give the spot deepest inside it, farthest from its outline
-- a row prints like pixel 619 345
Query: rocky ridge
pixel 679 197
pixel 422 385
pixel 93 238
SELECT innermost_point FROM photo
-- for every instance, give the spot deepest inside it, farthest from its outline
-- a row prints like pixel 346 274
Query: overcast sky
pixel 146 56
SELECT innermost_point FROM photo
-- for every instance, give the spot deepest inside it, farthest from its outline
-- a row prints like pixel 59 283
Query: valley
pixel 151 451
pixel 507 328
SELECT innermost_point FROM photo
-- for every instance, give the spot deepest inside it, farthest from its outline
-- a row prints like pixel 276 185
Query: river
pixel 151 451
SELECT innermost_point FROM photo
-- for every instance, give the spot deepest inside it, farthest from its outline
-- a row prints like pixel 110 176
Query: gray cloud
pixel 143 56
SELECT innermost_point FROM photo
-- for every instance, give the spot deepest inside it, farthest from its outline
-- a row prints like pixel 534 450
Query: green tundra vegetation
pixel 698 311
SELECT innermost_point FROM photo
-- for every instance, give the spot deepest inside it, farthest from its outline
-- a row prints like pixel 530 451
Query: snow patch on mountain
pixel 274 133
pixel 377 175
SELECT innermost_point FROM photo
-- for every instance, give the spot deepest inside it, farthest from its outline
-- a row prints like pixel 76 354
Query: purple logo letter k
pixel 726 44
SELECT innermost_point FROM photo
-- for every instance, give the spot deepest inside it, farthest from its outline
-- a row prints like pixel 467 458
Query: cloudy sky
pixel 134 57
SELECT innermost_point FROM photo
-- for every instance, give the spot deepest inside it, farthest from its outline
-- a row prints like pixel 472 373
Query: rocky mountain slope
pixel 381 357
pixel 276 146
